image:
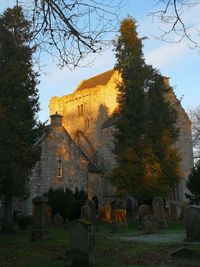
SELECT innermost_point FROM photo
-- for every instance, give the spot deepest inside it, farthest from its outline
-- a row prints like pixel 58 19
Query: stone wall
pixel 85 113
pixel 61 163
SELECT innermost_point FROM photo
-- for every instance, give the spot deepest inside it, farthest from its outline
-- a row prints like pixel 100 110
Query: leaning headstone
pixel 131 207
pixel 173 214
pixel 58 220
pixel 82 243
pixel 150 224
pixel 193 223
pixel 40 219
pixel 185 257
pixel 158 211
pixel 90 203
pixel 143 211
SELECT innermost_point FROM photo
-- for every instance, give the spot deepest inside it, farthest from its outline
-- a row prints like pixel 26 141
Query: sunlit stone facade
pixel 81 137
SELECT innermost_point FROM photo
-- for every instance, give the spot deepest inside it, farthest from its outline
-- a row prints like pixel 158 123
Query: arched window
pixel 87 123
pixel 81 109
pixel 59 167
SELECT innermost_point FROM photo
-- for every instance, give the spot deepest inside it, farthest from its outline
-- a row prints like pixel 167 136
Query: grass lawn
pixel 129 247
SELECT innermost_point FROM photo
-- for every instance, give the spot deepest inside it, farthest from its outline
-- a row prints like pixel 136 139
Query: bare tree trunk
pixel 8 225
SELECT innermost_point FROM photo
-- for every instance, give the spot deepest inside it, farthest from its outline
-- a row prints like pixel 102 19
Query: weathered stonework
pixel 82 138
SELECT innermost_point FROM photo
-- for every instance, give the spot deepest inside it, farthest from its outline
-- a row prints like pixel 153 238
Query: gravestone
pixel 158 211
pixel 185 257
pixel 82 243
pixel 90 203
pixel 193 223
pixel 131 207
pixel 58 220
pixel 173 214
pixel 150 224
pixel 143 211
pixel 86 213
pixel 40 218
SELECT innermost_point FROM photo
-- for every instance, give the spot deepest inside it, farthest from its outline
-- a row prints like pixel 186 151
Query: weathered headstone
pixel 86 213
pixel 173 214
pixel 82 243
pixel 193 223
pixel 58 220
pixel 143 211
pixel 90 203
pixel 40 219
pixel 150 224
pixel 131 207
pixel 158 211
pixel 185 257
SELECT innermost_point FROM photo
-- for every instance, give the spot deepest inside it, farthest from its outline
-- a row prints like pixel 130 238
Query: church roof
pixel 101 79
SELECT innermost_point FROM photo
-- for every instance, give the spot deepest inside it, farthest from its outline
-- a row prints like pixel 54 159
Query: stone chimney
pixel 56 120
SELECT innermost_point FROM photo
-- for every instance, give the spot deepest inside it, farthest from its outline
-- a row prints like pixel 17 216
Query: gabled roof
pixel 101 79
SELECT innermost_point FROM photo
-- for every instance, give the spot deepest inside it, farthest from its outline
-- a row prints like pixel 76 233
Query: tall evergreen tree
pixel 131 142
pixel 142 165
pixel 18 108
pixel 162 130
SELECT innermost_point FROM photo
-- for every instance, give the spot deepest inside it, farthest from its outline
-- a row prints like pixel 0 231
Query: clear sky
pixel 176 61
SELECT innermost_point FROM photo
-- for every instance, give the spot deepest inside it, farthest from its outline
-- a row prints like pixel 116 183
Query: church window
pixel 87 123
pixel 59 167
pixel 81 109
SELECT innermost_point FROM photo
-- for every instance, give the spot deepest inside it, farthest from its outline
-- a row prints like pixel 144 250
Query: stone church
pixel 76 148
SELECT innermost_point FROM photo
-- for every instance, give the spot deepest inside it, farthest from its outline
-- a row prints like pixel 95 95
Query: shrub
pixel 66 203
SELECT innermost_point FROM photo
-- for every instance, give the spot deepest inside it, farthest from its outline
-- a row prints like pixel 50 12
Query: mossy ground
pixel 129 247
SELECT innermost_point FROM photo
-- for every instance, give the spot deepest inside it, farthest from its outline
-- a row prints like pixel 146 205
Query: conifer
pixel 18 108
pixel 147 164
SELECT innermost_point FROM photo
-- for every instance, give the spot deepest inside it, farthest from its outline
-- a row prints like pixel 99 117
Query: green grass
pixel 112 250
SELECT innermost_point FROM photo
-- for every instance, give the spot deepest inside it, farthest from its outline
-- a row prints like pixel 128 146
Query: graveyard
pixel 126 247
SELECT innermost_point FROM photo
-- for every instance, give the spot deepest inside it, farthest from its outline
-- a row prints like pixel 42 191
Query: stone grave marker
pixel 58 220
pixel 193 223
pixel 82 243
pixel 91 204
pixel 131 207
pixel 159 211
pixel 185 257
pixel 40 218
pixel 150 224
pixel 143 210
pixel 86 213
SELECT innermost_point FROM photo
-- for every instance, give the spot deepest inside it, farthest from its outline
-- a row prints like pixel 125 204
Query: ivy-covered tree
pixel 145 165
pixel 193 185
pixel 18 108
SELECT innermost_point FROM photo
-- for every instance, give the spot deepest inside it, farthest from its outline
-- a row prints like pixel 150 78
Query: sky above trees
pixel 176 61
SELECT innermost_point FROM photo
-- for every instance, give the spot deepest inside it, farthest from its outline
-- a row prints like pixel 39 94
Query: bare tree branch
pixel 72 29
pixel 174 16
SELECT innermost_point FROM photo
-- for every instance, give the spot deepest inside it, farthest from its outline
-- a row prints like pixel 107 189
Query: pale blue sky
pixel 176 61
